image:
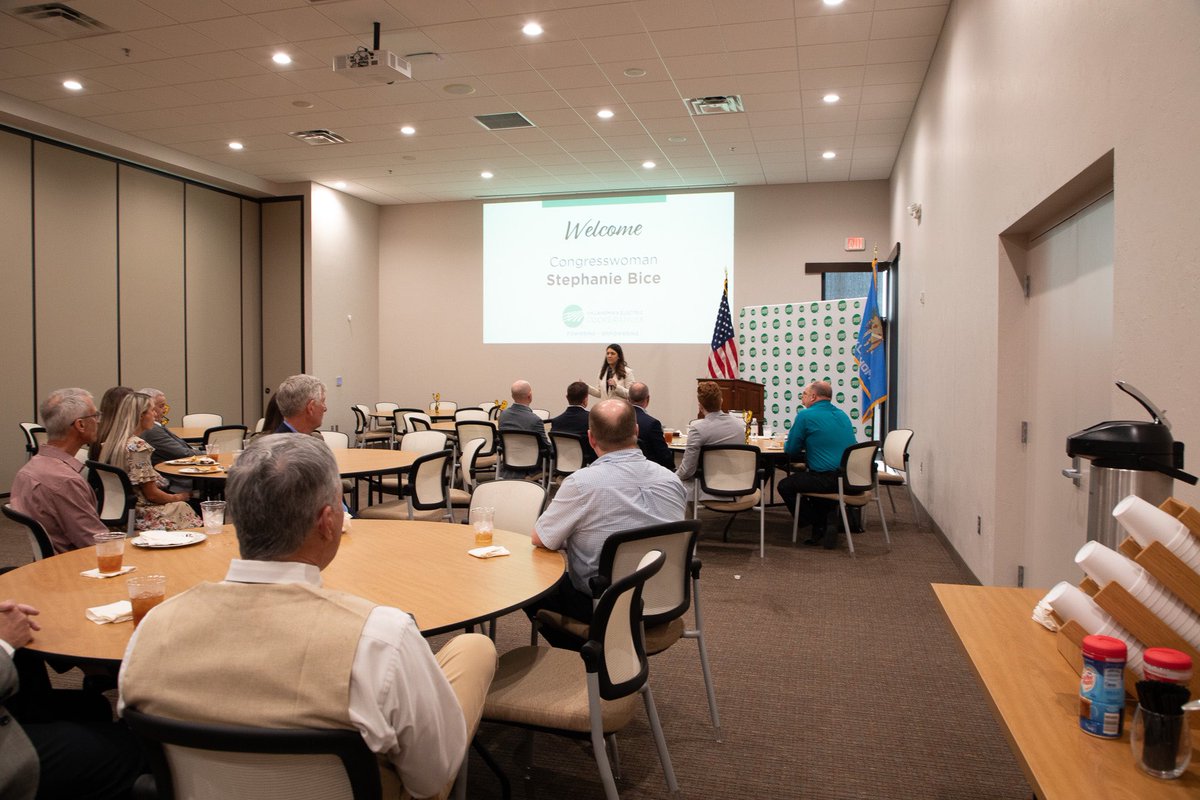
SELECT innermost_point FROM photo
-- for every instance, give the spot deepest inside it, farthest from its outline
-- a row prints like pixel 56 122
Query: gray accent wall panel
pixel 214 303
pixel 283 282
pixel 17 402
pixel 75 241
pixel 151 283
pixel 253 398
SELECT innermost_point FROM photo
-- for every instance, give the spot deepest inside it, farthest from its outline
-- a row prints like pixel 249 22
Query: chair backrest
pixel 444 407
pixel 32 442
pixel 494 412
pixel 487 407
pixel 336 438
pixel 466 462
pixel 115 499
pixel 541 414
pixel 423 441
pixel 428 479
pixel 568 452
pixel 206 762
pixel 667 595
pixel 202 420
pixel 417 421
pixel 729 470
pixel 522 449
pixel 226 437
pixel 386 408
pixel 361 421
pixel 39 540
pixel 518 503
pixel 478 429
pixel 895 449
pixel 464 414
pixel 258 426
pixel 616 650
pixel 858 466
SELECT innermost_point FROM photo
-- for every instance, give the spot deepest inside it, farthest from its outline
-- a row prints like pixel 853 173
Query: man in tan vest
pixel 269 647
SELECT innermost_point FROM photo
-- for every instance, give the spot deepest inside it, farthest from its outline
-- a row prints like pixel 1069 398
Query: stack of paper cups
pixel 1105 566
pixel 1070 602
pixel 1146 524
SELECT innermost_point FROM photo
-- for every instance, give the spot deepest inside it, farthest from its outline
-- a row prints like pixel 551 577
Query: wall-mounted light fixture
pixel 914 211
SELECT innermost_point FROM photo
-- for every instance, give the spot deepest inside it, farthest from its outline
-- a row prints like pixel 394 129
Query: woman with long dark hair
pixel 615 375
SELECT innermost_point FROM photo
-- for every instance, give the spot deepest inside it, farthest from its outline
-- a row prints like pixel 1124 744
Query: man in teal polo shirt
pixel 819 436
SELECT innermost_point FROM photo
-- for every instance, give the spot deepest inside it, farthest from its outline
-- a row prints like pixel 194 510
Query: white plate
pixel 202 470
pixel 199 461
pixel 189 538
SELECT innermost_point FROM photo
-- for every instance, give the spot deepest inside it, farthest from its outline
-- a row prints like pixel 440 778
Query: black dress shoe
pixel 814 542
pixel 829 542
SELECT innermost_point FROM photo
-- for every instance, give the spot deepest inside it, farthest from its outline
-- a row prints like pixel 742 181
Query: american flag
pixel 723 361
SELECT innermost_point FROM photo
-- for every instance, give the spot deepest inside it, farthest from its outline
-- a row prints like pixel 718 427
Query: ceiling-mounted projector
pixel 372 67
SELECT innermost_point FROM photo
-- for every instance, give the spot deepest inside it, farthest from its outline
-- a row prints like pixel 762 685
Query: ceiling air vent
pixel 319 137
pixel 58 19
pixel 504 122
pixel 720 104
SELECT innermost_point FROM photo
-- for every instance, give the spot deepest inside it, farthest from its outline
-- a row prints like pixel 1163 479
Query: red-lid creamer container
pixel 1167 665
pixel 1102 687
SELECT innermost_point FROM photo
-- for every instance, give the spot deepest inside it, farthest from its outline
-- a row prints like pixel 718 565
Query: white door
pixel 1069 382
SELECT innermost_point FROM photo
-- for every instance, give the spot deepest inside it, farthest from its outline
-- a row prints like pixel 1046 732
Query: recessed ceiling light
pixel 832 97
pixel 408 130
pixel 236 145
pixel 458 88
pixel 833 2
pixel 828 154
pixel 532 29
pixel 340 185
pixel 676 139
pixel 281 58
pixel 302 104
pixel 485 174
pixel 635 72
pixel 74 86
pixel 648 165
pixel 605 113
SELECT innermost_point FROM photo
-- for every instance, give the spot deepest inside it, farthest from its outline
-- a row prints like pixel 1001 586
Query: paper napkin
pixel 120 611
pixel 95 572
pixel 489 552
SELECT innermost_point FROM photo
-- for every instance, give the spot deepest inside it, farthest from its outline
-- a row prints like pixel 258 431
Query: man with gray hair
pixel 50 487
pixel 277 650
pixel 167 446
pixel 301 401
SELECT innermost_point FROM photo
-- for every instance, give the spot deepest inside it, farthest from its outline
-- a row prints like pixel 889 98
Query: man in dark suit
pixel 301 401
pixel 520 417
pixel 575 418
pixel 650 430
pixel 167 445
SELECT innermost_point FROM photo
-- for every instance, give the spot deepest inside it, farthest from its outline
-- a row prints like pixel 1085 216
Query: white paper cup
pixel 1146 523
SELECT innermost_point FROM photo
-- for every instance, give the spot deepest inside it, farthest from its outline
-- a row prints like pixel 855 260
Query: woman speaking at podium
pixel 615 375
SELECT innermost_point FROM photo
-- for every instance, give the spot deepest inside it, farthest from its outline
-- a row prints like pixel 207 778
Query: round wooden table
pixel 352 463
pixel 420 567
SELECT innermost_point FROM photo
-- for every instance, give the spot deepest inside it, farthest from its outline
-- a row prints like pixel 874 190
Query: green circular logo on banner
pixel 828 351
pixel 787 424
pixel 787 366
pixel 858 303
pixel 801 323
pixel 854 413
pixel 841 336
pixel 764 311
pixel 787 395
pixel 775 395
pixel 753 325
pixel 841 305
pixel 856 319
pixel 763 338
pixel 854 384
pixel 829 322
pixel 841 366
pixel 841 398
pixel 814 307
pixel 774 380
pixel 789 351
pixel 572 316
pixel 753 352
pixel 775 324
pixel 787 337
pixel 741 339
pixel 787 309
pixel 812 367
pixel 775 408
pixel 775 352
pixel 841 382
pixel 762 367
pixel 841 351
pixel 812 337
pixel 788 381
pixel 828 336
pixel 789 323
pixel 869 430
pixel 775 338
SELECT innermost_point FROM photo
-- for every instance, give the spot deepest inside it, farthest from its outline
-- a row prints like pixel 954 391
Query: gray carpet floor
pixel 836 677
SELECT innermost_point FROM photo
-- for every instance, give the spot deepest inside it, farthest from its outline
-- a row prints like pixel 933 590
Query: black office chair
pixel 115 498
pixel 39 540
pixel 200 761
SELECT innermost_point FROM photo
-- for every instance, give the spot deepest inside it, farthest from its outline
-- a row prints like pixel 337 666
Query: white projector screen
pixel 645 269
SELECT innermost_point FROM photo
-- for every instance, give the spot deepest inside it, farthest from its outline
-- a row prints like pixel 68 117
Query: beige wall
pixel 345 301
pixel 1019 99
pixel 431 267
pixel 115 274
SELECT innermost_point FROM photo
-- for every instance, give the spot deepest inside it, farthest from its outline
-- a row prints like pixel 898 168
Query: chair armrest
pixel 592 653
pixel 696 565
pixel 598 583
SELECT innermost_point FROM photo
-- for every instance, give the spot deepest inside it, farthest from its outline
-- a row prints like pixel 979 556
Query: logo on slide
pixel 572 316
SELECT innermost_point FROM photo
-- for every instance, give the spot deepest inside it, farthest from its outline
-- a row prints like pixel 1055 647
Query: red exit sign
pixel 856 243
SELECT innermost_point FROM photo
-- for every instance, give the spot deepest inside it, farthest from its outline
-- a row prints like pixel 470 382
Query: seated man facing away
pixel 620 491
pixel 50 487
pixel 167 446
pixel 520 417
pixel 650 430
pixel 714 427
pixel 269 647
pixel 574 419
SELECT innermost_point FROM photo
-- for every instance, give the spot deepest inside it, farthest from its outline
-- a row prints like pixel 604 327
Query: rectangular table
pixel 1034 694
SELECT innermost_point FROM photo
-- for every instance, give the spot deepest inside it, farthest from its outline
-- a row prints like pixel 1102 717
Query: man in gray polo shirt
pixel 621 490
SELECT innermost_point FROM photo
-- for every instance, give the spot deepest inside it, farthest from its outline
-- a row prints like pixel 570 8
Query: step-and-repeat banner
pixel 788 346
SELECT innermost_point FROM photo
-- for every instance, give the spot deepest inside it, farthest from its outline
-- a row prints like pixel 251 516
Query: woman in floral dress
pixel 157 509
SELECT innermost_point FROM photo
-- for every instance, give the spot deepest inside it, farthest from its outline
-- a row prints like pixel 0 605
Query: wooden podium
pixel 742 395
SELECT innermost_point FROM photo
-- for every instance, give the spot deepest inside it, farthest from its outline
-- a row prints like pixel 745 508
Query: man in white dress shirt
pixel 269 647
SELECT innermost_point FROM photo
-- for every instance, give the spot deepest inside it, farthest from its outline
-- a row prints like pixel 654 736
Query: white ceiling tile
pixel 768 82
pixel 659 109
pixel 887 140
pixel 772 118
pixel 589 99
pixel 834 113
pixel 295 24
pixel 547 55
pixel 883 51
pixel 79 106
pixel 654 90
pixel 892 125
pixel 574 77
pixel 824 56
pixel 683 67
pixel 723 139
pixel 903 72
pixel 833 29
pixel 712 86
pixel 192 10
pixel 64 56
pixel 626 48
pixel 15 33
pixel 493 61
pixel 474 34
pixel 871 170
pixel 885 110
pixel 127 15
pixel 665 14
pixel 225 65
pixel 237 32
pixel 754 10
pixel 537 101
pixel 689 41
pixel 877 153
pixel 780 145
pixel 357 15
pixel 850 96
pixel 121 77
pixel 771 101
pixel 926 21
pixel 891 93
pixel 522 82
pixel 124 48
pixel 828 78
pixel 774 60
pixel 889 5
pixel 758 35
pixel 818 130
pixel 613 19
pixel 178 40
